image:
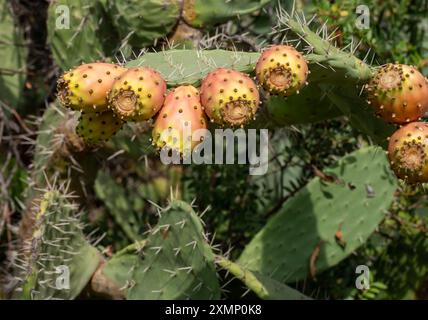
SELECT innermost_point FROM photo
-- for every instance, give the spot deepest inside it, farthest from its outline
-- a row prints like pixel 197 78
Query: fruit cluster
pixel 108 95
pixel 399 94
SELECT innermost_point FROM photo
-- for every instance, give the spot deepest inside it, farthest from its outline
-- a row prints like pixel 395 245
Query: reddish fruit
pixel 178 119
pixel 85 87
pixel 282 70
pixel 96 128
pixel 229 97
pixel 408 152
pixel 138 94
pixel 398 93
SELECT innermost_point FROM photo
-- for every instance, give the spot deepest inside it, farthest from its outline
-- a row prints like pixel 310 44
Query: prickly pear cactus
pixel 336 80
pixel 137 94
pixel 177 262
pixel 326 221
pixel 58 261
pixel 59 153
pixel 96 128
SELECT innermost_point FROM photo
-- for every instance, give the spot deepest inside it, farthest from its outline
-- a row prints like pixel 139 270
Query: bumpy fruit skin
pixel 96 128
pixel 178 119
pixel 398 93
pixel 138 94
pixel 85 88
pixel 408 152
pixel 229 97
pixel 282 70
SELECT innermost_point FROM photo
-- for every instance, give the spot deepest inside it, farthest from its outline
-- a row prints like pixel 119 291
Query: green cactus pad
pixel 354 200
pixel 177 262
pixel 88 37
pixel 263 286
pixel 360 114
pixel 14 55
pixel 115 276
pixel 180 67
pixel 57 242
pixel 200 13
pixel 310 105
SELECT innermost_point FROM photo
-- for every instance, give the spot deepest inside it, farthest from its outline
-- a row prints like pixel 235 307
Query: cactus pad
pixel 353 200
pixel 96 128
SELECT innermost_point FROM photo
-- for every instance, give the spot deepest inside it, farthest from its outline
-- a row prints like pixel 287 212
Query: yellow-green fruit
pixel 398 93
pixel 85 88
pixel 282 70
pixel 96 128
pixel 408 152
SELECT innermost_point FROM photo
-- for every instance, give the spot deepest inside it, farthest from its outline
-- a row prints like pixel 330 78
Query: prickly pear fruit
pixel 138 94
pixel 178 119
pixel 282 70
pixel 398 93
pixel 229 97
pixel 96 128
pixel 408 152
pixel 85 87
